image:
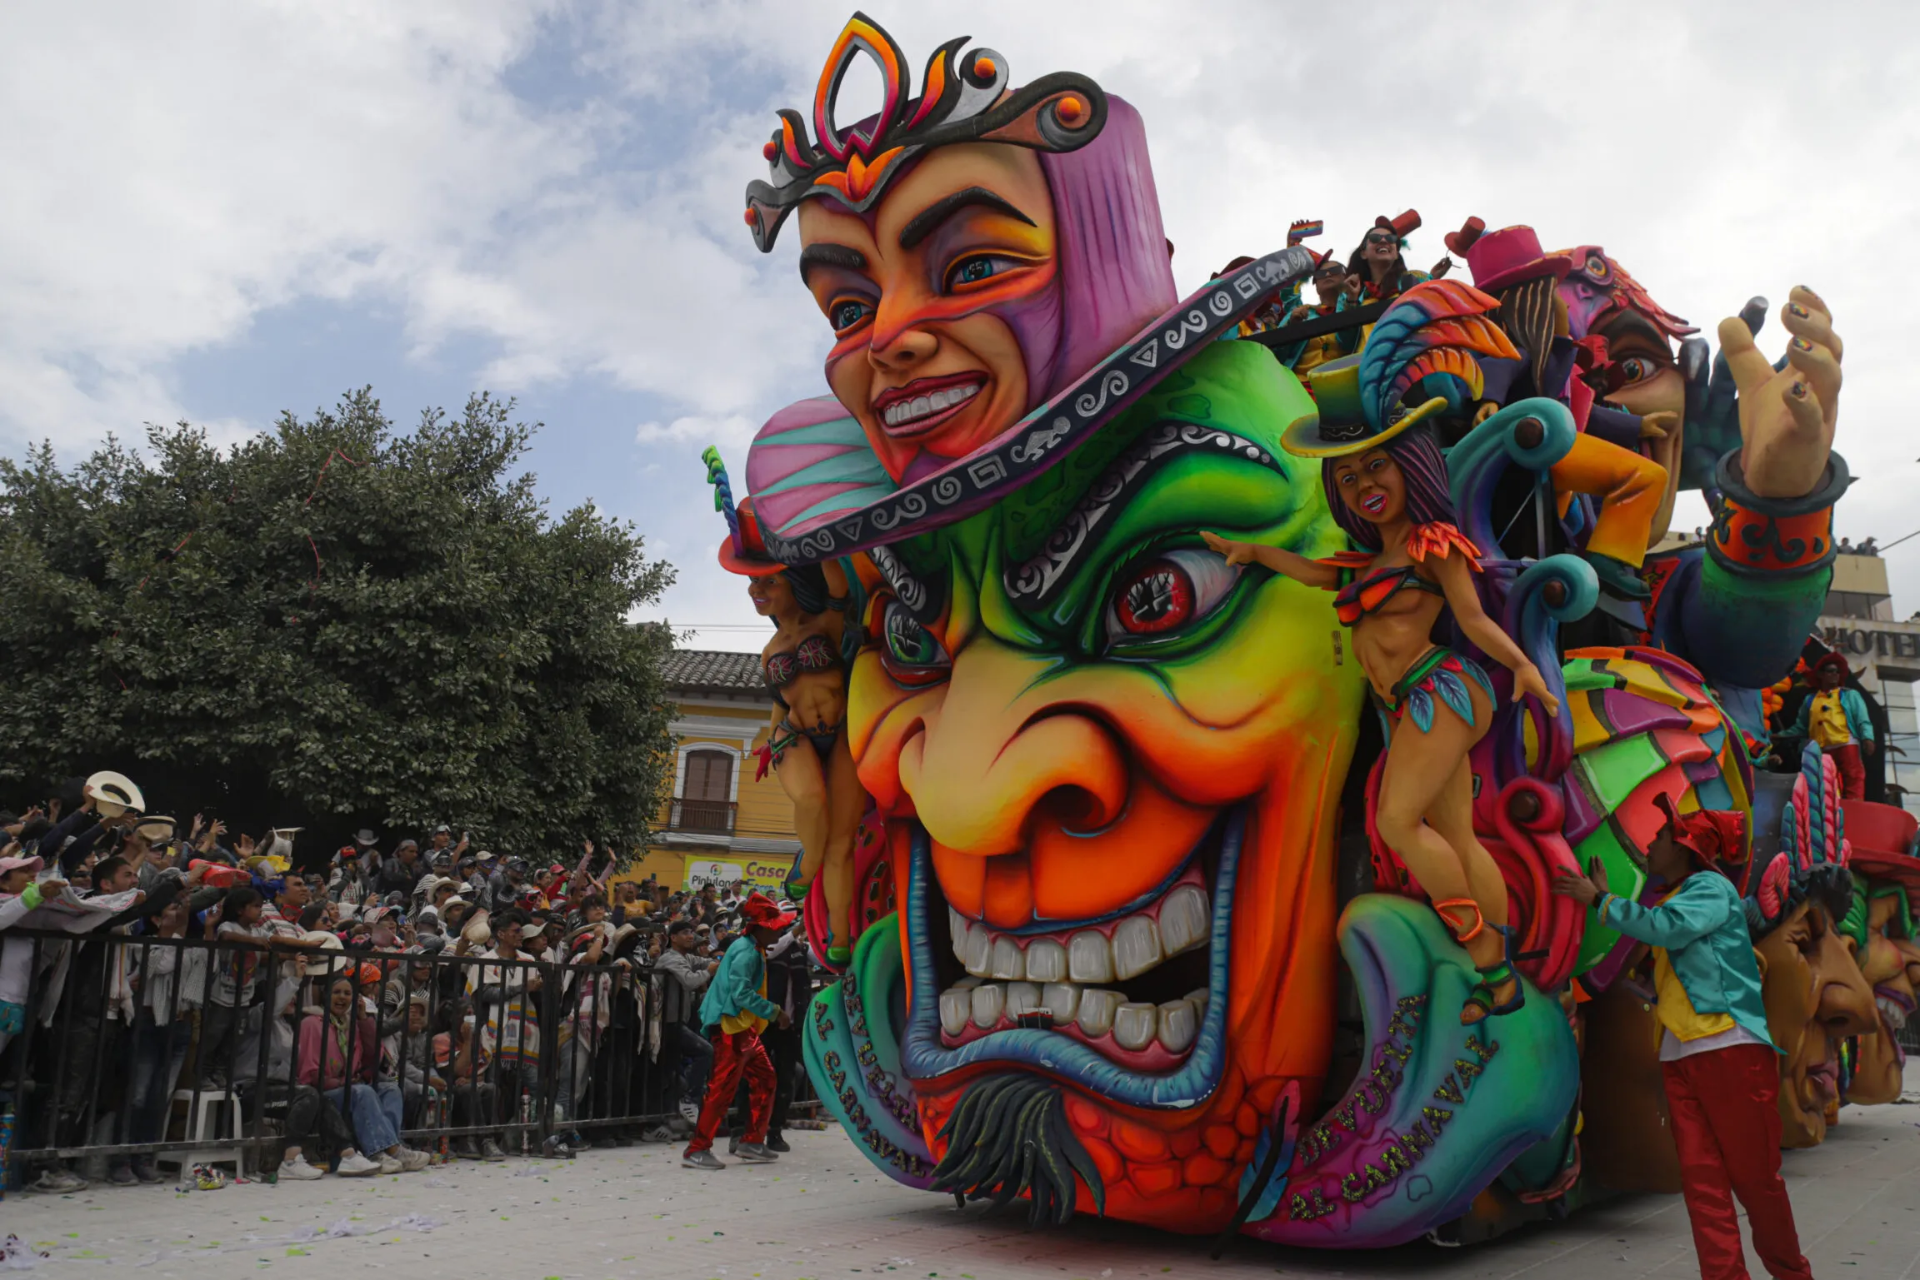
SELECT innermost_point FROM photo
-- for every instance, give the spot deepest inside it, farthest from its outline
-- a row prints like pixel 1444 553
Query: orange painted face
pixel 1106 798
pixel 926 296
pixel 1889 965
pixel 1815 998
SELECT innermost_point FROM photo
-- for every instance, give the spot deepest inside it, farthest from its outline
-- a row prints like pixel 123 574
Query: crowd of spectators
pixel 352 1005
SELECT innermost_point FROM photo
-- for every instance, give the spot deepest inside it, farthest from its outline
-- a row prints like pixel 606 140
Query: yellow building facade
pixel 718 822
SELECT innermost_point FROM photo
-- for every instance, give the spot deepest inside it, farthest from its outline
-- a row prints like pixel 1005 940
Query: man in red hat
pixel 1605 462
pixel 737 1003
pixel 1717 1059
pixel 1835 718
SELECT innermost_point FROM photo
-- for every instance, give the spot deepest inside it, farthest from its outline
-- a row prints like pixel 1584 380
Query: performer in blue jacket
pixel 1717 1061
pixel 737 1004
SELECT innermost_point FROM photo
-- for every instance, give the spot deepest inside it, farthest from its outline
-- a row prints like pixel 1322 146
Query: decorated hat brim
pixel 1305 437
pixel 1555 265
pixel 857 507
pixel 746 566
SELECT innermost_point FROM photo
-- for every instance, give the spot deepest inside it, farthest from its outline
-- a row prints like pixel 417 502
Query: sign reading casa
pixel 767 876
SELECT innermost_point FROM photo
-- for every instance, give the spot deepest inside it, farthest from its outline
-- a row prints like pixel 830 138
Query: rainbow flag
pixel 1304 230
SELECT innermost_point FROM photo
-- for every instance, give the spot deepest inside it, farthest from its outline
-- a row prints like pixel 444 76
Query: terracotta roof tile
pixel 709 669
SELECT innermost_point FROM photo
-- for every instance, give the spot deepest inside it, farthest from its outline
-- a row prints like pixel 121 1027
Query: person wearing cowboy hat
pixel 1835 719
pixel 737 1003
pixel 1718 1062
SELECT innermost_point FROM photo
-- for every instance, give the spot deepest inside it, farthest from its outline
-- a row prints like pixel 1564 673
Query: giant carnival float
pixel 1188 702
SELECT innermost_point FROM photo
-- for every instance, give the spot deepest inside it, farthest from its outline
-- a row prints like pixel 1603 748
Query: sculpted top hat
pixel 1507 256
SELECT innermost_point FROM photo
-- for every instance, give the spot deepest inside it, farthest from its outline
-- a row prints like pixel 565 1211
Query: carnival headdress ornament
pixel 1814 851
pixel 744 551
pixel 964 98
pixel 1436 327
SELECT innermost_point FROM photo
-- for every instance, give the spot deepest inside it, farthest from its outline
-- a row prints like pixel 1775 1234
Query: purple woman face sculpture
pixel 988 279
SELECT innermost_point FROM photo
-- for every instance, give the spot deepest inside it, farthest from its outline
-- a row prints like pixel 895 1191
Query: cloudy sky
pixel 216 211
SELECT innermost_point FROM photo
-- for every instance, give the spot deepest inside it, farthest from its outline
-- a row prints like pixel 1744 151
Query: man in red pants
pixel 1720 1067
pixel 737 1003
pixel 1835 717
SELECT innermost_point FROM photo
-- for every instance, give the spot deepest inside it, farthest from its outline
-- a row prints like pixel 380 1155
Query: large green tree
pixel 333 623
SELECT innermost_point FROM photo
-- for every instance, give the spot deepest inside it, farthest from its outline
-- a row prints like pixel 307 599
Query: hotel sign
pixel 1849 637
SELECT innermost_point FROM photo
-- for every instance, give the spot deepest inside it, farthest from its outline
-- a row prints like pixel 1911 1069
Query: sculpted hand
pixel 1787 416
pixel 1236 553
pixel 1528 680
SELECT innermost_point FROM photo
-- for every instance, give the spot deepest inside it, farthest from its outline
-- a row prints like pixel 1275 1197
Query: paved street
pixel 822 1212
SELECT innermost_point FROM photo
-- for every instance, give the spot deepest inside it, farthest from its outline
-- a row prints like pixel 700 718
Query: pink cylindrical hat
pixel 1510 255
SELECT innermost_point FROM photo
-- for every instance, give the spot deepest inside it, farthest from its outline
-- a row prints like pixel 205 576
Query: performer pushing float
pixel 1719 1064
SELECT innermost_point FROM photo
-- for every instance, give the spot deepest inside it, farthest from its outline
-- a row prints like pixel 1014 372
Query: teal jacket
pixel 1703 929
pixel 736 986
pixel 1859 724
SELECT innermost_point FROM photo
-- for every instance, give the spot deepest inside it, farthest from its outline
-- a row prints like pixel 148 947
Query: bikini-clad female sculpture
pixel 1388 490
pixel 805 665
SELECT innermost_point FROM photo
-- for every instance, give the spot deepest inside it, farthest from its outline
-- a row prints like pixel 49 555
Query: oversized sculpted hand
pixel 1786 415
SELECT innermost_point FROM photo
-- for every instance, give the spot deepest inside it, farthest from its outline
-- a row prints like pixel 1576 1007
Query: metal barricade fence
pixel 248 1051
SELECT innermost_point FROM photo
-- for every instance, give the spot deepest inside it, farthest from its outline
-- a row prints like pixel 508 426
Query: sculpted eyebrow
pixel 928 220
pixel 830 255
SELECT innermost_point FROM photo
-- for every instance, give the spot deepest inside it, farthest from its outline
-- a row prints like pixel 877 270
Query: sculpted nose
pixel 998 756
pixel 901 349
pixel 1846 1001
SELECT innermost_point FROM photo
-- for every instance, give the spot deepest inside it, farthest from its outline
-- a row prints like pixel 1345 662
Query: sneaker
pixel 701 1160
pixel 777 1143
pixel 490 1150
pixel 656 1133
pixel 466 1149
pixel 756 1153
pixel 556 1148
pixel 690 1110
pixel 144 1169
pixel 356 1165
pixel 577 1143
pixel 733 1145
pixel 121 1175
pixel 412 1161
pixel 388 1165
pixel 298 1170
pixel 60 1181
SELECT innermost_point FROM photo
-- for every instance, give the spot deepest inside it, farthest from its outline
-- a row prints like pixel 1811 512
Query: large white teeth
pixel 1136 947
pixel 1007 961
pixel 1097 1008
pixel 1070 977
pixel 955 1008
pixel 978 945
pixel 1890 1009
pixel 1089 959
pixel 1183 919
pixel 1178 1024
pixel 987 1002
pixel 921 406
pixel 1046 960
pixel 1134 1025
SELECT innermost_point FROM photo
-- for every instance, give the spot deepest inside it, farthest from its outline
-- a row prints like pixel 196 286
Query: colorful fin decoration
pixel 1434 327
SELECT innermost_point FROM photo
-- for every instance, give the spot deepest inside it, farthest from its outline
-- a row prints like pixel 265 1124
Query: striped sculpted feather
pixel 1436 315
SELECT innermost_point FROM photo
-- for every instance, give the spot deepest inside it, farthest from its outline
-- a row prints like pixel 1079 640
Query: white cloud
pixel 172 171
